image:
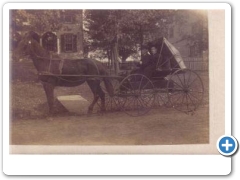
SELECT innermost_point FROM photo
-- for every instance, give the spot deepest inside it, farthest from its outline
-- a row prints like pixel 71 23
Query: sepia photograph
pixel 117 89
pixel 109 77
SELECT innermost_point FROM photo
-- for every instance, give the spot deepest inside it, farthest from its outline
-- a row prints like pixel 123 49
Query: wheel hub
pixel 186 90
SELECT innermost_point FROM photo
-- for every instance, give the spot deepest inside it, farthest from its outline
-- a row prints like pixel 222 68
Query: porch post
pixel 40 41
pixel 58 45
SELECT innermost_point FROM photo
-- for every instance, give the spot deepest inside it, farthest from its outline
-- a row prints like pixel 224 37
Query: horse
pixel 77 71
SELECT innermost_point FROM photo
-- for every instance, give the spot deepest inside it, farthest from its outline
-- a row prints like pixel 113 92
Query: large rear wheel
pixel 185 90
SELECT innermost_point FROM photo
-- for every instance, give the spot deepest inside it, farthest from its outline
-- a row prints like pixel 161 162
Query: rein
pixel 59 77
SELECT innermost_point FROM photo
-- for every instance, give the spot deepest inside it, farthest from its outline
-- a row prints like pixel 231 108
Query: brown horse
pixel 51 72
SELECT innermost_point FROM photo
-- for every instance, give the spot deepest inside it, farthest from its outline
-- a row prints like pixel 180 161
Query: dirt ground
pixel 31 125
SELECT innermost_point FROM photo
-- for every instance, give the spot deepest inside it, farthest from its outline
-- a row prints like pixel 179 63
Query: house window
pixel 68 18
pixel 49 41
pixel 69 43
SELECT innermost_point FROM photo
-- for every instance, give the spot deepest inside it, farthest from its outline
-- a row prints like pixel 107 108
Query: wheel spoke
pixel 131 86
pixel 134 103
pixel 182 99
pixel 197 91
pixel 192 82
pixel 184 75
pixel 178 98
pixel 126 87
pixel 180 80
pixel 187 101
pixel 189 78
pixel 176 93
pixel 192 102
pixel 130 100
pixel 177 84
pixel 142 105
pixel 145 85
pixel 138 107
pixel 146 101
pixel 140 83
pixel 194 96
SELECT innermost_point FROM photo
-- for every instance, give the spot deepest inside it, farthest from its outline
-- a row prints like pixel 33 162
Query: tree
pixel 199 34
pixel 129 29
pixel 35 20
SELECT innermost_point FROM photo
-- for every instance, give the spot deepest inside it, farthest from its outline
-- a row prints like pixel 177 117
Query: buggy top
pixel 171 57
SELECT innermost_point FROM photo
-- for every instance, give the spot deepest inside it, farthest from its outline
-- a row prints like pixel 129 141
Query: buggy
pixel 171 84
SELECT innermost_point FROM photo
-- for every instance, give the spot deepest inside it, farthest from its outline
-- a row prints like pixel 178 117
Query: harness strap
pixel 61 62
pixel 49 67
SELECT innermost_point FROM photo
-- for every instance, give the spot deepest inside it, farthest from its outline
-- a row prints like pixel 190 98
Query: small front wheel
pixel 136 93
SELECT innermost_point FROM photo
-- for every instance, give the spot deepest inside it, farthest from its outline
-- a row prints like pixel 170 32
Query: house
pixel 189 34
pixel 67 41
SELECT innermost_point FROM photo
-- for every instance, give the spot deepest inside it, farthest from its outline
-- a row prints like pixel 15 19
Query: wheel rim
pixel 136 93
pixel 185 90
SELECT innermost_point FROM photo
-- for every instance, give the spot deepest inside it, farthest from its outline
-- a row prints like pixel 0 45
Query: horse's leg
pixel 102 97
pixel 49 90
pixel 90 108
pixel 93 87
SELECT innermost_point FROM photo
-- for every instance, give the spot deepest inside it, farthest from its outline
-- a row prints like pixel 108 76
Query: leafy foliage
pixel 199 27
pixel 124 30
pixel 35 20
pixel 128 28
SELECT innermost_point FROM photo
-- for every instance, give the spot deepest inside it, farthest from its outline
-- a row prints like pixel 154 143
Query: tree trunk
pixel 114 48
pixel 115 58
pixel 141 39
pixel 124 59
pixel 109 58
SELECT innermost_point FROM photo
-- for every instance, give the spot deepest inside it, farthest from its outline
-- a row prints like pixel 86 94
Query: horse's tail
pixel 102 70
pixel 109 86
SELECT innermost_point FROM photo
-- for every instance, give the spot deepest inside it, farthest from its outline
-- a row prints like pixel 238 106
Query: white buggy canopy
pixel 171 57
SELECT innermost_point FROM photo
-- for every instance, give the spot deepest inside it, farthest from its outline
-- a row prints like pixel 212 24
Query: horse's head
pixel 25 47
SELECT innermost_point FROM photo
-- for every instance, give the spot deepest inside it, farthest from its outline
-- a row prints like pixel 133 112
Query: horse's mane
pixel 41 52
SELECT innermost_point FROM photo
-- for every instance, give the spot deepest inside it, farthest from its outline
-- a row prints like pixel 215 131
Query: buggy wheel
pixel 185 90
pixel 111 102
pixel 136 95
